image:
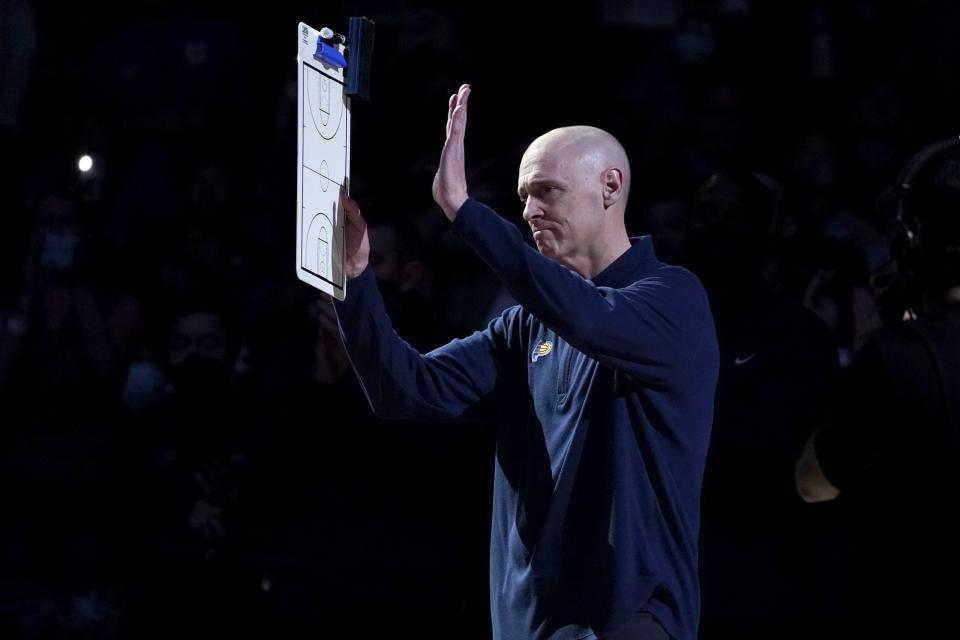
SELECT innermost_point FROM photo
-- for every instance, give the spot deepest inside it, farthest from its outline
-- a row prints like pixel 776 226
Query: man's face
pixel 562 200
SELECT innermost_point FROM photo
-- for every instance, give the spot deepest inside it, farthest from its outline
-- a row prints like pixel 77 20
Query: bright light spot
pixel 85 163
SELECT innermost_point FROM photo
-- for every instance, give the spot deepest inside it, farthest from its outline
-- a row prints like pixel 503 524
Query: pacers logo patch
pixel 542 349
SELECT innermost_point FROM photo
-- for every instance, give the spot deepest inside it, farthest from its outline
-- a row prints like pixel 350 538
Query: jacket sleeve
pixel 398 381
pixel 648 329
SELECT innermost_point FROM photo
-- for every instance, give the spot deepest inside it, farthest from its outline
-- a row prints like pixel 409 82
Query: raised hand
pixel 450 183
pixel 355 240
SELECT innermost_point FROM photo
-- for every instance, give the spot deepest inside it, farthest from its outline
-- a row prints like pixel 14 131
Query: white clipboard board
pixel 323 153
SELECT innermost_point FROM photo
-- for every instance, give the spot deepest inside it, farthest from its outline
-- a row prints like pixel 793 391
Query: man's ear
pixel 612 187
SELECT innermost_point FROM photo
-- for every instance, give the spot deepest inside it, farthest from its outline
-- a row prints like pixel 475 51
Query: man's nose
pixel 531 209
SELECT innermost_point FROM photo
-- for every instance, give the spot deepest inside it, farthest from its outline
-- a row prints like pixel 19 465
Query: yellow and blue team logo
pixel 542 349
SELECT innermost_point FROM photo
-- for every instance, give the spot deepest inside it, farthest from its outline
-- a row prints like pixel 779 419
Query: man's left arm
pixel 644 329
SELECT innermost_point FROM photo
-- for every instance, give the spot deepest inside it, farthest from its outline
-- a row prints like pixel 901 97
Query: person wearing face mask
pixel 600 382
pixel 72 330
pixel 201 460
pixel 777 366
pixel 61 349
pixel 197 360
pixel 197 372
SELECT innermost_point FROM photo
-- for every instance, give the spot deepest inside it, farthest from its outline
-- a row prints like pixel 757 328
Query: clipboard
pixel 332 69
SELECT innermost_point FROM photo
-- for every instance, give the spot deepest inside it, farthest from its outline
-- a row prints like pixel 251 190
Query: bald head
pixel 586 149
pixel 573 183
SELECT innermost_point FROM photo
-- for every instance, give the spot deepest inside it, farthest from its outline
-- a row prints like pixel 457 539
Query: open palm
pixel 450 183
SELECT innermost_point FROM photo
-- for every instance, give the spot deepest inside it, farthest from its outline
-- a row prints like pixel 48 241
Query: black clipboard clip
pixel 358 47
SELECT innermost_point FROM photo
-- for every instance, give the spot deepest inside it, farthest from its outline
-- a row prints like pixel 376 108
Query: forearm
pixel 398 381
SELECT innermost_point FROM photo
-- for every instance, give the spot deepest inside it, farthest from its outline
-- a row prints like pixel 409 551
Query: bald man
pixel 601 380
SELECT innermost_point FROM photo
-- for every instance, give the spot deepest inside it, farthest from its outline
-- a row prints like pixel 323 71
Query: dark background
pixel 329 522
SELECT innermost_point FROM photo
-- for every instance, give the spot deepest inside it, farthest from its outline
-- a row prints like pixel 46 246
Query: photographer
pixel 895 452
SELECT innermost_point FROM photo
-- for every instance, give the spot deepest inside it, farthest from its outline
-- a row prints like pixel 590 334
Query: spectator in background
pixel 71 333
pixel 667 221
pixel 62 351
pixel 404 279
pixel 170 71
pixel 852 251
pixel 203 498
pixel 826 250
pixel 17 45
pixel 881 123
pixel 777 367
pixel 894 451
pixel 814 172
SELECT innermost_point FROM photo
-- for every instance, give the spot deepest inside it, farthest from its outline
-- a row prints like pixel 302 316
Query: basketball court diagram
pixel 323 116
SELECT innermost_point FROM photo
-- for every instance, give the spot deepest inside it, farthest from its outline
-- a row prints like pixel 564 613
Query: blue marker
pixel 329 55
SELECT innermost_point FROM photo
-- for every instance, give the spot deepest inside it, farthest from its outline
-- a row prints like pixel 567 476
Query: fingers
pixel 457 110
pixel 350 207
pixel 460 113
pixel 451 105
pixel 346 201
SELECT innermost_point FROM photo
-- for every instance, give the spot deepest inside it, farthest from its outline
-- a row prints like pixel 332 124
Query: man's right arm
pixel 398 381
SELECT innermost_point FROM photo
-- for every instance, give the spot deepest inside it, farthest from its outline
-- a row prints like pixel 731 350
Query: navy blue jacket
pixel 603 394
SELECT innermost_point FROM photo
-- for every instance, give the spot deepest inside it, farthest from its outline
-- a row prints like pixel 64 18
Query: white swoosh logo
pixel 738 360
